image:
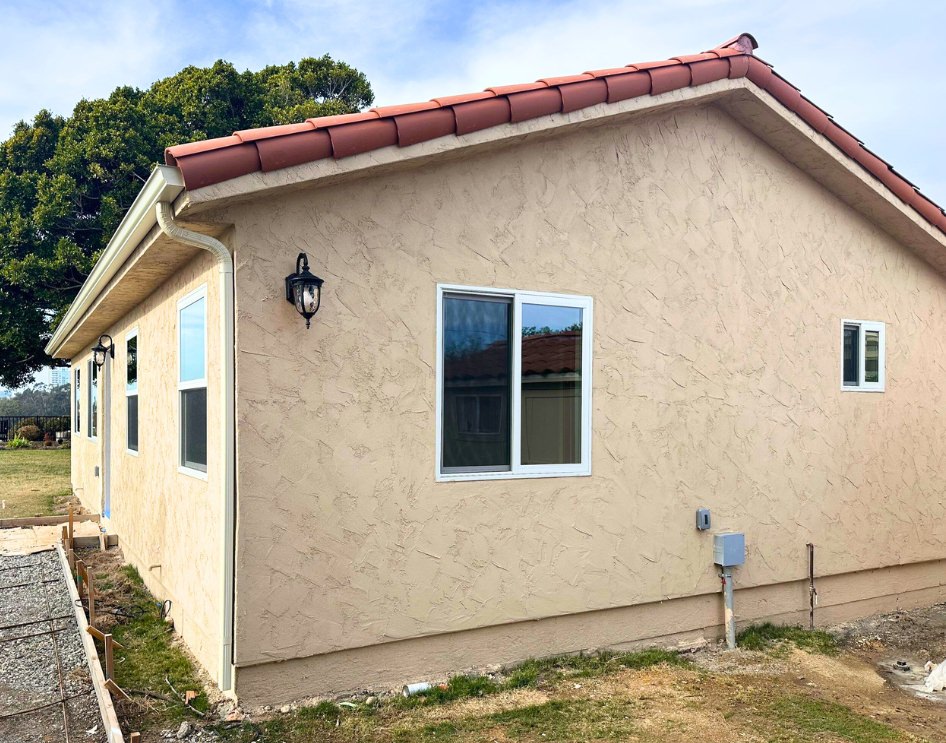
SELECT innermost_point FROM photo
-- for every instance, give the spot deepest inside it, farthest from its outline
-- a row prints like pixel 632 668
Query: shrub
pixel 29 432
pixel 18 443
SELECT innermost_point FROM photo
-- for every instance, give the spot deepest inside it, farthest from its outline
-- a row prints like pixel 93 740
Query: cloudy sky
pixel 878 67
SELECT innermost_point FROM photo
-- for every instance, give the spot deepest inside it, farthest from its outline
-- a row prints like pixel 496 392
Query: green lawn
pixel 33 482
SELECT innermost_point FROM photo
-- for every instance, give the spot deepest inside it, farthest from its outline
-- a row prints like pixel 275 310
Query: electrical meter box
pixel 729 549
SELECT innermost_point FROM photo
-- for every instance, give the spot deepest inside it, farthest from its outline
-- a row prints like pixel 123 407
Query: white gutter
pixel 165 218
pixel 164 184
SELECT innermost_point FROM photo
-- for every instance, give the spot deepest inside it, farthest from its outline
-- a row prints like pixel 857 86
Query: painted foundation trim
pixel 842 598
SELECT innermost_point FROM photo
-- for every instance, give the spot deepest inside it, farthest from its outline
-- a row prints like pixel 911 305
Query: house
pixel 556 319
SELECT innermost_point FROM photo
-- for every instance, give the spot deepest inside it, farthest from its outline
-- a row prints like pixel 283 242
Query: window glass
pixel 132 422
pixel 78 398
pixel 131 364
pixel 871 356
pixel 476 383
pixel 851 350
pixel 194 428
pixel 551 384
pixel 131 392
pixel 93 399
pixel 192 333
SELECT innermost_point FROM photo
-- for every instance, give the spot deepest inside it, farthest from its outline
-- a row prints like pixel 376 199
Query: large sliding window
pixel 77 392
pixel 131 390
pixel 92 429
pixel 514 384
pixel 192 380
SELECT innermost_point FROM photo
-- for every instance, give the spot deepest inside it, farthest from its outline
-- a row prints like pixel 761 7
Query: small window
pixel 131 390
pixel 514 384
pixel 192 380
pixel 93 423
pixel 862 356
pixel 77 393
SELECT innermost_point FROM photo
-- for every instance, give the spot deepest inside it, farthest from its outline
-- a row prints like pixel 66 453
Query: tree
pixel 65 183
pixel 40 399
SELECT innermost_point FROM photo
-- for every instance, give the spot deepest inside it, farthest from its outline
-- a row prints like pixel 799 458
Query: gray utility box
pixel 729 550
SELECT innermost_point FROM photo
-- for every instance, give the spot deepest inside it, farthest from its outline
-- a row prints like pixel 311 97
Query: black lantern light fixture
pixel 304 289
pixel 100 350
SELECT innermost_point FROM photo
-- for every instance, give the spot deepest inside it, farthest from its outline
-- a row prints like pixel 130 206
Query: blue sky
pixel 878 67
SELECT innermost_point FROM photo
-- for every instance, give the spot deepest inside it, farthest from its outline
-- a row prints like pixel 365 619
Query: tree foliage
pixel 66 182
pixel 40 399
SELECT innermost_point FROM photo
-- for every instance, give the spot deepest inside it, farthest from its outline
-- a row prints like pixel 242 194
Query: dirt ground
pixel 782 693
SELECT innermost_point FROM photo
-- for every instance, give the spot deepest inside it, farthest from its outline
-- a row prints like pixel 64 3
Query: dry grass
pixel 33 482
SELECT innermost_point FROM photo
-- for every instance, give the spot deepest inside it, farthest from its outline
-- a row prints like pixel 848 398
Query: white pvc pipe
pixel 165 217
pixel 729 614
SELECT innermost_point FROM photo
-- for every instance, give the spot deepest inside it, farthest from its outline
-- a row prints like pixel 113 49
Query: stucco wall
pixel 720 274
pixel 168 523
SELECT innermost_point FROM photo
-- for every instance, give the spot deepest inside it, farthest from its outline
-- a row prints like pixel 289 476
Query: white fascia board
pixel 164 184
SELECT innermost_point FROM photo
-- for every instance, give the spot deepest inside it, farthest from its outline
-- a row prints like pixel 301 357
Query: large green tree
pixel 66 182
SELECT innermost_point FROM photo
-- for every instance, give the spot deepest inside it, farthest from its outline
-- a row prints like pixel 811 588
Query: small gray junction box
pixel 729 549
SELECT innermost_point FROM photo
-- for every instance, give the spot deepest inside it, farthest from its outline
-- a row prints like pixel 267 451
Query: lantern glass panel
pixel 307 298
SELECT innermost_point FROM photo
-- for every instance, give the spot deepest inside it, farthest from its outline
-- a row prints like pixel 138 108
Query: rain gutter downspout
pixel 165 216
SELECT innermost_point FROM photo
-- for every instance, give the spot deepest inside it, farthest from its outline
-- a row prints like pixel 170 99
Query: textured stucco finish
pixel 163 517
pixel 720 273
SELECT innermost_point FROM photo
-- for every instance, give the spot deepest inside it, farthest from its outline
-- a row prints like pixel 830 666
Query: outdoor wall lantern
pixel 304 289
pixel 100 350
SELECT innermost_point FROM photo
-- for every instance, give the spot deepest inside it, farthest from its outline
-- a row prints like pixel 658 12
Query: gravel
pixel 33 590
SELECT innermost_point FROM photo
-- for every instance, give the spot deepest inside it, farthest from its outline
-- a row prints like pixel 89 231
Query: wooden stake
pixel 100 636
pixel 115 689
pixel 109 657
pixel 91 591
pixel 71 557
pixel 82 574
pixel 134 738
pixel 71 533
pixel 102 540
pixel 65 537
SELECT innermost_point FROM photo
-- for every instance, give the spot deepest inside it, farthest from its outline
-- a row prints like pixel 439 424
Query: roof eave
pixel 164 184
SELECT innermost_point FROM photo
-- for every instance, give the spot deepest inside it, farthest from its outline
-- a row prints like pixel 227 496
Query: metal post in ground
pixel 729 615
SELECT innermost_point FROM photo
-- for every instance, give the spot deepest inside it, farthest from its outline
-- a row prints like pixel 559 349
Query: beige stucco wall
pixel 168 522
pixel 720 274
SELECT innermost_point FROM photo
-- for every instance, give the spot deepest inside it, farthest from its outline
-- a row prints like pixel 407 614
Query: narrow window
pixel 513 397
pixel 862 356
pixel 192 380
pixel 78 398
pixel 93 423
pixel 131 389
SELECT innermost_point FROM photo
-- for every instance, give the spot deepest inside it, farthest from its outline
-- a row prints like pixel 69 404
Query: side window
pixel 863 352
pixel 192 380
pixel 131 389
pixel 93 402
pixel 515 392
pixel 77 392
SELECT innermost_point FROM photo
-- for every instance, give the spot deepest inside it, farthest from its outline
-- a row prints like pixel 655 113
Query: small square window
pixel 863 356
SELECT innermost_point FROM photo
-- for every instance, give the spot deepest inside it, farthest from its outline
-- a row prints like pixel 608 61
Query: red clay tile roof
pixel 272 148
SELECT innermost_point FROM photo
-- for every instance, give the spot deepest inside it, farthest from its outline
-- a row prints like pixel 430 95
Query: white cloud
pixel 875 65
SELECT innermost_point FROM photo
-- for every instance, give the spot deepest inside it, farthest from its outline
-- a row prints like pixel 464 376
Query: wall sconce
pixel 100 350
pixel 304 289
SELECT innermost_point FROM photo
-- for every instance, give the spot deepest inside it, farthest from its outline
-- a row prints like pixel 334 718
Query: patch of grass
pixel 33 481
pixel 764 636
pixel 535 672
pixel 813 717
pixel 556 720
pixel 150 659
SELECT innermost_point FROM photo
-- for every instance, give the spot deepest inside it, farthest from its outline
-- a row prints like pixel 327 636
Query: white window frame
pixel 518 470
pixel 185 301
pixel 91 371
pixel 864 326
pixel 132 392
